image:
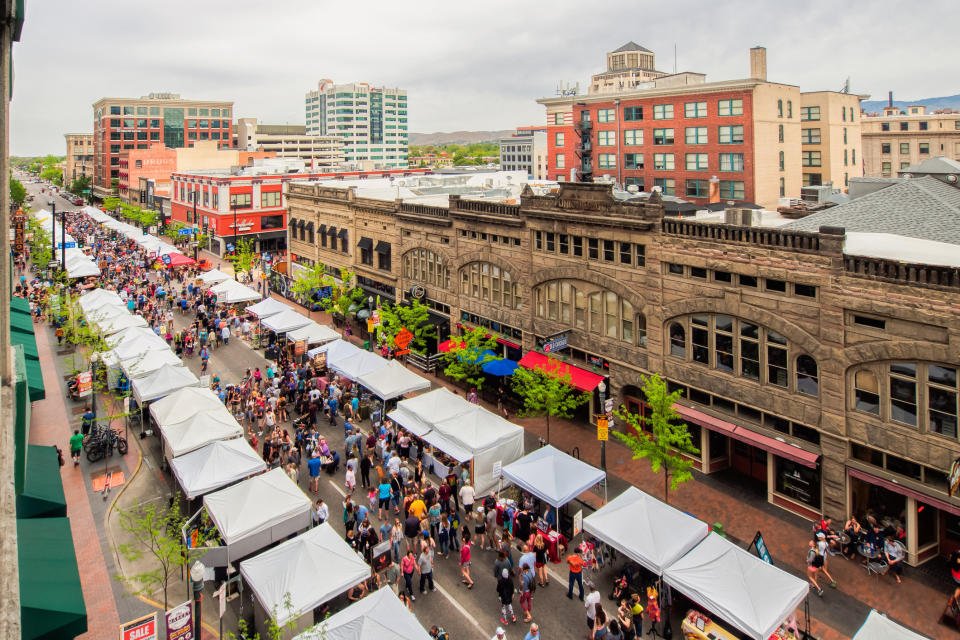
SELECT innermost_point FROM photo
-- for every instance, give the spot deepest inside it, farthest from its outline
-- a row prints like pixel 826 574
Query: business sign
pixel 144 628
pixel 84 383
pixel 761 548
pixel 19 230
pixel 299 347
pixel 380 556
pixel 375 317
pixel 498 468
pixel 418 292
pixel 165 258
pixel 577 522
pixel 186 232
pixel 180 622
pixel 558 343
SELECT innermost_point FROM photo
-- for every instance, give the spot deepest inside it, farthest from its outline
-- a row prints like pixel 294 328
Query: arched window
pixel 678 340
pixel 489 282
pixel 780 108
pixel 807 378
pixel 602 313
pixel 866 392
pixel 426 266
pixel 789 108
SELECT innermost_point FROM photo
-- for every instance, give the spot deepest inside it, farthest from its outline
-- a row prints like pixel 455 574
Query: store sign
pixel 761 548
pixel 242 225
pixel 180 622
pixel 603 428
pixel 418 292
pixel 299 347
pixel 144 628
pixel 555 343
pixel 186 232
pixel 165 258
pixel 19 231
pixel 84 383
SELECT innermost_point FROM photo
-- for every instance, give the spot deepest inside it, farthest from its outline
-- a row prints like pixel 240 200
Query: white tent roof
pixel 144 364
pixel 213 276
pixel 107 311
pixel 285 321
pixel 216 465
pixel 737 586
pixel 139 345
pixel 98 298
pixel 121 337
pixel 230 291
pixel 648 531
pixel 477 429
pixel 119 323
pixel 82 269
pixel 336 348
pixel 879 627
pixel 552 475
pixel 199 430
pixel 356 364
pixel 379 616
pixel 162 382
pixel 310 569
pixel 267 308
pixel 255 505
pixel 95 213
pixel 392 380
pixel 417 415
pixel 182 404
pixel 313 333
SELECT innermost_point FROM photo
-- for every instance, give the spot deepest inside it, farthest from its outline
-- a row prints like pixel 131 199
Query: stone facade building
pixel 826 381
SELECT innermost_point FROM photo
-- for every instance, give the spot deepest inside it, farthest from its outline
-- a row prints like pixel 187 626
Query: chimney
pixel 890 99
pixel 713 194
pixel 758 63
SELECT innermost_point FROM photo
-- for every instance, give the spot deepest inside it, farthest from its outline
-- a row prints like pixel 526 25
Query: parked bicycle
pixel 101 443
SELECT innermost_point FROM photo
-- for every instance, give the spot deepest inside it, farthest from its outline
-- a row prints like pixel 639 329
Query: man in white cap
pixel 499 635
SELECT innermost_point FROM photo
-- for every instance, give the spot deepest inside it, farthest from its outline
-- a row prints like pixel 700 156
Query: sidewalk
pixel 838 614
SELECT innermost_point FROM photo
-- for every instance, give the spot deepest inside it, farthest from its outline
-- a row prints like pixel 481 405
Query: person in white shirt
pixel 592 599
pixel 321 513
pixel 394 464
pixel 467 497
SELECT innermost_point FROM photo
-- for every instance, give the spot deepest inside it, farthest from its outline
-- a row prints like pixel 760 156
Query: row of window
pixel 725 108
pixel 426 266
pixel 743 349
pixel 922 147
pixel 492 237
pixel 116 110
pixel 696 188
pixel 769 285
pixel 728 162
pixel 579 305
pixel 382 251
pixel 922 125
pixel 920 395
pixel 625 253
pixel 144 123
pixel 489 282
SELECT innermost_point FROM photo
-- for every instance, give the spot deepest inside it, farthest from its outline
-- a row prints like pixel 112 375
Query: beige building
pixel 898 139
pixel 289 141
pixel 830 138
pixel 627 67
pixel 79 160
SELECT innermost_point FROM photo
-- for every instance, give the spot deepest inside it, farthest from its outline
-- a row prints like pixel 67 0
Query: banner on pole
pixel 180 622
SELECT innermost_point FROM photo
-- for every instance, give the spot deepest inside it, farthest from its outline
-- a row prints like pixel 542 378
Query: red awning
pixel 898 487
pixel 580 378
pixel 506 342
pixel 178 259
pixel 777 447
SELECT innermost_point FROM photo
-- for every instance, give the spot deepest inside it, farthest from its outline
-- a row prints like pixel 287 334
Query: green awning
pixel 20 304
pixel 21 333
pixel 21 322
pixel 51 599
pixel 42 495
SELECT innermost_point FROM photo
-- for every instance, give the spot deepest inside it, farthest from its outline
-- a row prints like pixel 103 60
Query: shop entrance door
pixel 749 461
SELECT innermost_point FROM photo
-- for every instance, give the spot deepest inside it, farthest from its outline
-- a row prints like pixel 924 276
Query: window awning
pixel 331 231
pixel 901 488
pixel 343 234
pixel 300 224
pixel 309 227
pixel 383 247
pixel 777 447
pixel 51 598
pixel 580 378
pixel 42 495
pixel 365 243
pixel 22 333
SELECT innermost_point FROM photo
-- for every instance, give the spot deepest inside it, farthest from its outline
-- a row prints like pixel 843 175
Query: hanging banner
pixel 180 622
pixel 84 384
pixel 299 347
pixel 577 523
pixel 144 628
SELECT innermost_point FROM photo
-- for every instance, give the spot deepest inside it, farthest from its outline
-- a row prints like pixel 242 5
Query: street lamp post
pixel 53 229
pixel 236 247
pixel 196 576
pixel 602 389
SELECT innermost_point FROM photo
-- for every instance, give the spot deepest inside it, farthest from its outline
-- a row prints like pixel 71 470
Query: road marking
pixel 336 486
pixel 459 607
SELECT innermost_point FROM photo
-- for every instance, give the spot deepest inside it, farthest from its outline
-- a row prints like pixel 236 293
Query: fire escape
pixel 585 148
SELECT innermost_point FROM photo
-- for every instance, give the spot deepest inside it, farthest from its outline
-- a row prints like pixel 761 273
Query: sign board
pixel 608 405
pixel 370 325
pixel 68 245
pixel 375 317
pixel 403 338
pixel 558 343
pixel 497 468
pixel 84 383
pixel 19 230
pixel 186 232
pixel 152 230
pixel 418 292
pixel 144 628
pixel 320 360
pixel 180 622
pixel 577 522
pixel 165 258
pixel 381 556
pixel 602 428
pixel 401 352
pixel 299 347
pixel 761 548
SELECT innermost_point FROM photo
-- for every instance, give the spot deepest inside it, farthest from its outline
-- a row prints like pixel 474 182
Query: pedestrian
pixel 599 622
pixel 408 565
pixel 480 529
pixel 505 590
pixel 575 565
pixel 472 397
pixel 87 420
pixel 500 634
pixel 814 562
pixel 527 586
pixel 540 561
pixel 592 604
pixel 425 567
pixel 534 633
pixel 350 480
pixel 892 553
pixel 465 550
pixel 467 496
pixel 76 445
pixel 321 513
pixel 313 465
pixel 822 547
pixel 366 463
pixel 383 494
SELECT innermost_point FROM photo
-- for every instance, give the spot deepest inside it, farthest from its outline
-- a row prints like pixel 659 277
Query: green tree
pixel 415 317
pixel 547 392
pixel 465 360
pixel 306 286
pixel 18 192
pixel 79 185
pixel 273 630
pixel 111 203
pixel 40 246
pixel 668 438
pixel 243 257
pixel 51 161
pixel 156 533
pixel 53 175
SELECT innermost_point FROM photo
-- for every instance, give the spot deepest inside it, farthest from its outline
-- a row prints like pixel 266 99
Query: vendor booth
pixel 214 276
pixel 353 365
pixel 392 380
pixel 879 627
pixel 82 268
pixel 231 291
pixel 735 585
pixel 646 530
pixel 199 430
pixel 120 337
pixel 313 333
pixel 251 515
pixel 139 345
pixel 106 312
pixel 98 298
pixel 267 308
pixel 146 363
pixel 413 414
pixel 308 570
pixel 552 475
pixel 379 616
pixel 162 382
pixel 183 404
pixel 119 323
pixel 216 465
pixel 284 321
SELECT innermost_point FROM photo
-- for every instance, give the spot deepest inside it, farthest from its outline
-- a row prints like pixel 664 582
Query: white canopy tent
pixel 214 276
pixel 199 430
pixel 131 333
pixel 139 344
pixel 182 404
pixel 379 616
pixel 392 380
pixel 552 475
pixel 737 586
pixel 96 214
pixel 162 382
pixel 144 364
pixel 310 569
pixel 98 298
pixel 879 627
pixel 313 333
pixel 268 307
pixel 119 323
pixel 82 269
pixel 413 414
pixel 106 312
pixel 284 321
pixel 231 291
pixel 216 465
pixel 356 364
pixel 338 348
pixel 646 530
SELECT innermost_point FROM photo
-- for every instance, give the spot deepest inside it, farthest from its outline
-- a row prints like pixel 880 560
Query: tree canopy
pixel 18 192
pixel 414 317
pixel 547 392
pixel 468 354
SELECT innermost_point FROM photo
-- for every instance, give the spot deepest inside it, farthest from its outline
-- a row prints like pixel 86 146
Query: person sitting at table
pixel 893 555
pixel 854 534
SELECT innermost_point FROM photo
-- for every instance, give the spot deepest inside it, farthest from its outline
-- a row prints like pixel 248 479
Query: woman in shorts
pixel 480 529
pixel 465 561
pixel 540 560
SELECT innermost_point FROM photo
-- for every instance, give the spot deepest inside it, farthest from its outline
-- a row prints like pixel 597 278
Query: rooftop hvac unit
pixel 633 188
pixel 741 217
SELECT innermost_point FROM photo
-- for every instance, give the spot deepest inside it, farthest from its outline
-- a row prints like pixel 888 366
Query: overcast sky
pixel 466 65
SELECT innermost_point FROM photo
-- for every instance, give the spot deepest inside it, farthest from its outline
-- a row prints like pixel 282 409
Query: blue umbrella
pixel 474 358
pixel 501 367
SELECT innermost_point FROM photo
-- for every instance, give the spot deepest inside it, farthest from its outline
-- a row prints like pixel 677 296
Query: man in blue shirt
pixel 313 466
pixel 86 421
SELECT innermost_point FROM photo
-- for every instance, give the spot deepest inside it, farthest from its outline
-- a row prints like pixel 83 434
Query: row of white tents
pixel 77 263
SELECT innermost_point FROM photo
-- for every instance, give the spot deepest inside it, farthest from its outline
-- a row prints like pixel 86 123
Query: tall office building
pixel 372 121
pixel 134 123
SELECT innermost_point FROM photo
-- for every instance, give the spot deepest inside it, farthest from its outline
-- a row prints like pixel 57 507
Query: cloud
pixel 465 65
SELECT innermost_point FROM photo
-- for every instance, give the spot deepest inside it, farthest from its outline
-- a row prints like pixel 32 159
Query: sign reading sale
pixel 144 628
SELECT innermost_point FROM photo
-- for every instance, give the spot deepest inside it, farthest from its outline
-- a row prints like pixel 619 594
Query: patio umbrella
pixel 448 345
pixel 501 367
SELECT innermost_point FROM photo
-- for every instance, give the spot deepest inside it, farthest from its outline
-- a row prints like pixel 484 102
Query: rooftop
pixel 939 165
pixel 631 46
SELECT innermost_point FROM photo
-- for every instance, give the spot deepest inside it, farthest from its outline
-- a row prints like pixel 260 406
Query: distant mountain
pixel 946 102
pixel 458 137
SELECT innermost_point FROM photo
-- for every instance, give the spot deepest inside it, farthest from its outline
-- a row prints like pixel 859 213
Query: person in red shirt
pixel 575 562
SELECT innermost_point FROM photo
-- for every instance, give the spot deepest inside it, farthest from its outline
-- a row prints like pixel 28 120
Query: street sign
pixel 403 338
pixel 144 628
pixel 180 622
pixel 603 433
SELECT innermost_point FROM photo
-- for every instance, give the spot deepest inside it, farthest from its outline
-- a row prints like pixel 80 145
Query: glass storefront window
pixel 927 525
pixel 798 482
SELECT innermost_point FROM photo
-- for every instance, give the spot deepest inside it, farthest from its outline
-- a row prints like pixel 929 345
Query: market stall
pixel 379 616
pixel 119 323
pixel 737 586
pixel 354 365
pixel 139 344
pixel 106 312
pixel 214 276
pixel 552 475
pixel 231 292
pixel 413 414
pixel 267 308
pixel 198 430
pixel 80 268
pixel 182 404
pixel 120 337
pixel 98 298
pixel 313 333
pixel 251 515
pixel 646 530
pixel 216 465
pixel 146 363
pixel 284 321
pixel 306 571
pixel 162 382
pixel 392 380
pixel 879 627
